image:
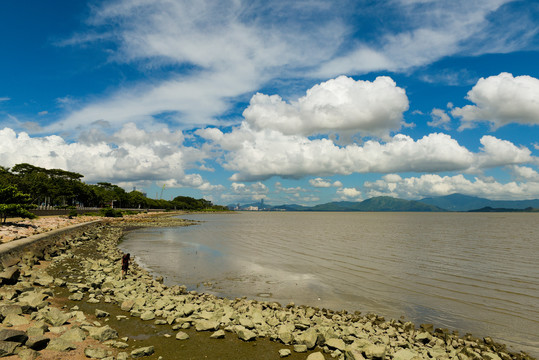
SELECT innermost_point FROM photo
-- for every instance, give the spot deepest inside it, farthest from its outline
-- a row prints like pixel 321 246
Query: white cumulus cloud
pixel 440 119
pixel 242 192
pixel 130 155
pixel 319 183
pixel 349 193
pixel 257 155
pixel 335 106
pixel 428 185
pixel 501 100
pixel 525 173
pixel 496 152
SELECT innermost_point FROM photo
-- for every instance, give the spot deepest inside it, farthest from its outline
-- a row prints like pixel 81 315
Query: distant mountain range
pixel 459 202
pixel 454 202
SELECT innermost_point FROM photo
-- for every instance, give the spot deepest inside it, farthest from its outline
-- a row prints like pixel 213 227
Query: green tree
pixel 55 186
pixel 137 200
pixel 14 203
pixel 6 177
pixel 109 193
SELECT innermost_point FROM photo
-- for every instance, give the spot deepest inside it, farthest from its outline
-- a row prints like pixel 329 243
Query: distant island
pixel 453 202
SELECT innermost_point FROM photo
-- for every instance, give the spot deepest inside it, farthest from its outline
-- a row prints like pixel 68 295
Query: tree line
pixel 34 186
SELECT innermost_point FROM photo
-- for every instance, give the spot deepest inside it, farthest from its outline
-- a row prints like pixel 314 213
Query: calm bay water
pixel 476 273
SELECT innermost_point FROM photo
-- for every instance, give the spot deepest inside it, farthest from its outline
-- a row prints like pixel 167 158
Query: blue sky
pixel 288 101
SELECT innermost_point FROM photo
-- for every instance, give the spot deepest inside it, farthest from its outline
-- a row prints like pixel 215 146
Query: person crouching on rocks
pixel 125 264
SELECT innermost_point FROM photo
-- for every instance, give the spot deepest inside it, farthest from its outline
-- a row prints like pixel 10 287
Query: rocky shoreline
pixel 68 301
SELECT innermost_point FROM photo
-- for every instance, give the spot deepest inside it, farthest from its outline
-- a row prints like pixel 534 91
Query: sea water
pixel 472 272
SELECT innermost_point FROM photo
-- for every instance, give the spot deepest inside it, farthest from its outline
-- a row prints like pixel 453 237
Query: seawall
pixel 11 252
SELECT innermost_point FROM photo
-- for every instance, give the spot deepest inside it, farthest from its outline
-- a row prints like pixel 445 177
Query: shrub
pixel 109 212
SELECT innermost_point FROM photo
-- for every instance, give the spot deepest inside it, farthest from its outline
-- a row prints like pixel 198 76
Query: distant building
pixel 252 208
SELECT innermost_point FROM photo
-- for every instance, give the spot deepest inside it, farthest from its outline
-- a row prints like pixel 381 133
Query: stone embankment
pixel 85 268
pixel 25 228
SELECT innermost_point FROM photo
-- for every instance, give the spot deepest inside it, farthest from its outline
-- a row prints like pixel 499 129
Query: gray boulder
pixel 147 315
pixel 37 329
pixel 375 351
pixel 37 342
pixel 205 325
pixel 28 354
pixel 10 275
pixel 78 296
pixel 246 334
pixel 219 334
pixel 143 351
pixel 182 336
pixel 309 338
pixel 5 310
pixel 56 317
pixel 285 333
pixel 336 344
pixel 127 305
pixel 116 344
pixel 103 333
pixel 354 354
pixel 15 320
pixel 75 334
pixel 60 344
pixel 101 313
pixel 33 299
pixel 404 354
pixel 93 352
pixel 491 356
pixel 8 348
pixel 285 352
pixel 423 337
pixel 316 356
pixel 43 280
pixel 248 323
pixel 13 335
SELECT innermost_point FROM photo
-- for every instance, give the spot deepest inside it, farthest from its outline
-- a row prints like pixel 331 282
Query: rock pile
pixel 30 325
pixel 309 330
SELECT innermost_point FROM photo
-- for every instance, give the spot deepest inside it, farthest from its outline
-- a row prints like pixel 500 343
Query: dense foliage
pixel 14 203
pixel 60 188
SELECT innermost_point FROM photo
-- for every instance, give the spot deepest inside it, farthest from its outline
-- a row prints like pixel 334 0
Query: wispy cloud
pixel 228 50
pixel 431 30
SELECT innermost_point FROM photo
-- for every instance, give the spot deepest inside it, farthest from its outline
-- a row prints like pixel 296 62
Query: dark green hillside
pixel 460 202
pixel 386 203
pixel 291 207
pixel 380 203
pixel 335 206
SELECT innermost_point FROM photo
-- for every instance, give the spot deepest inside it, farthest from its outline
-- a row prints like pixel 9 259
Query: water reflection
pixel 472 272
